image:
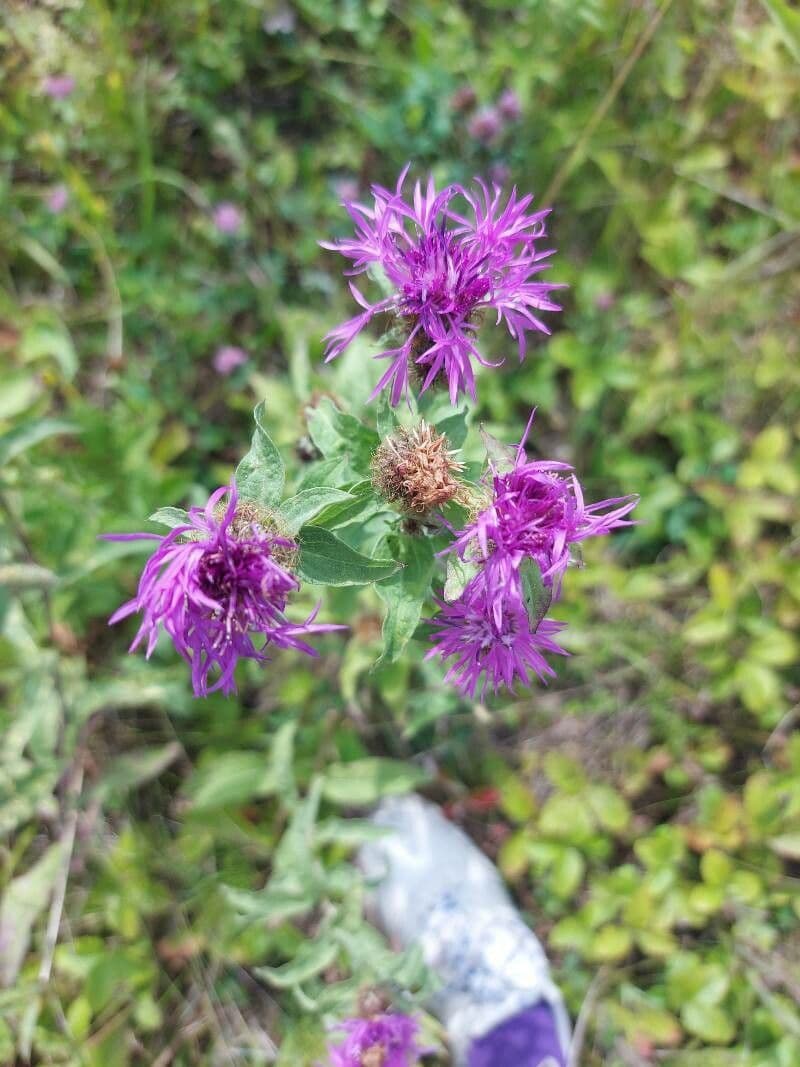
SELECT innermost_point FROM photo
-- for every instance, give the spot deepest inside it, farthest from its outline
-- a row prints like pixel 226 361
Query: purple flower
pixel 537 511
pixel 58 86
pixel 227 218
pixel 227 358
pixel 381 1041
pixel 446 266
pixel 490 652
pixel 463 98
pixel 57 199
pixel 509 105
pixel 486 125
pixel 213 584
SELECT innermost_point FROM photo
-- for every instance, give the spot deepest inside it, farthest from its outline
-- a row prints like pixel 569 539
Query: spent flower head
pixel 447 257
pixel 537 511
pixel 383 1040
pixel 488 649
pixel 216 584
pixel 414 467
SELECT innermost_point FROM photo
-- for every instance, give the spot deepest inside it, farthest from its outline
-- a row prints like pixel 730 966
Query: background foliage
pixel 646 807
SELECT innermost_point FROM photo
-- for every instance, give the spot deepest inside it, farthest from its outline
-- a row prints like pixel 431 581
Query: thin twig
pixel 603 107
pixel 60 887
pixel 584 1015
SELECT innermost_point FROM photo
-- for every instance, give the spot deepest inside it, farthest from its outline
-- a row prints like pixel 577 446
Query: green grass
pixel 645 808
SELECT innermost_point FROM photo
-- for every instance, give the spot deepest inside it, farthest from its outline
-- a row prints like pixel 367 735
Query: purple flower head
pixel 509 105
pixel 57 199
pixel 227 358
pixel 486 125
pixel 227 218
pixel 446 265
pixel 58 86
pixel 487 651
pixel 537 512
pixel 388 1040
pixel 214 583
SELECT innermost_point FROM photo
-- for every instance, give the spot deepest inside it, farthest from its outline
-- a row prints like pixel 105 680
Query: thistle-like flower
pixel 537 511
pixel 491 649
pixel 416 469
pixel 216 583
pixel 384 1040
pixel 449 257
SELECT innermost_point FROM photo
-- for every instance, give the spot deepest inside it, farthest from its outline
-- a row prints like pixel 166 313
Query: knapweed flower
pixel 57 199
pixel 490 652
pixel 486 125
pixel 509 105
pixel 227 218
pixel 227 358
pixel 216 584
pixel 537 511
pixel 58 86
pixel 386 1040
pixel 448 257
pixel 415 467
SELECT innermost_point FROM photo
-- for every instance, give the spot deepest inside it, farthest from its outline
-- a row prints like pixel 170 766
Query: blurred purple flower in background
pixel 227 358
pixel 388 1040
pixel 448 257
pixel 227 218
pixel 509 105
pixel 485 125
pixel 213 584
pixel 57 199
pixel 58 86
pixel 463 98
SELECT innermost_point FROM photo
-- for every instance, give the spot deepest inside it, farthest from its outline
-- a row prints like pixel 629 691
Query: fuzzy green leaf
pixel 404 594
pixel 325 560
pixel 260 475
pixel 307 505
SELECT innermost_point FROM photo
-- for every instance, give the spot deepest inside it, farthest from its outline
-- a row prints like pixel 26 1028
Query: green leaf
pixel 270 905
pixel 404 594
pixel 336 433
pixel 260 475
pixel 25 436
pixel 385 417
pixel 310 959
pixel 501 456
pixel 459 575
pixel 363 504
pixel 170 517
pixel 308 503
pixel 231 778
pixel 365 781
pixel 24 899
pixel 454 427
pixel 708 1022
pixel 536 595
pixel 134 769
pixel 325 560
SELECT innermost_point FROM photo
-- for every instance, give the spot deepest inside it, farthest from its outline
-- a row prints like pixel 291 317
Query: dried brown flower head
pixel 416 469
pixel 372 1001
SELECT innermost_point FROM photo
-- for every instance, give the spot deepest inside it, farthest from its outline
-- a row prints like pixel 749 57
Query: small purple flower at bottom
pixel 214 584
pixel 227 358
pixel 58 86
pixel 388 1040
pixel 227 218
pixel 490 652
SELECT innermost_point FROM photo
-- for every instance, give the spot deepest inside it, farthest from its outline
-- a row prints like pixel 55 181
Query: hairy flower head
pixel 216 584
pixel 448 257
pixel 415 468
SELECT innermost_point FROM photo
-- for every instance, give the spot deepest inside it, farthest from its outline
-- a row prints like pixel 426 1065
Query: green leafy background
pixel 645 807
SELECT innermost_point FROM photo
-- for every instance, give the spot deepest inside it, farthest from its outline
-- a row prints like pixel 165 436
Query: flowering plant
pixel 466 555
